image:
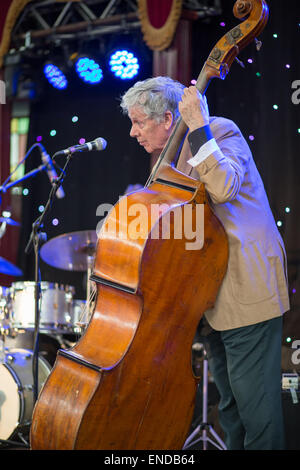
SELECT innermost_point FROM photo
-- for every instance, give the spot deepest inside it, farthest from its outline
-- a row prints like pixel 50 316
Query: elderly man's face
pixel 148 132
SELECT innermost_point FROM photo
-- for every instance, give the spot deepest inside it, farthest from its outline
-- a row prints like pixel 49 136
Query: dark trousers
pixel 246 366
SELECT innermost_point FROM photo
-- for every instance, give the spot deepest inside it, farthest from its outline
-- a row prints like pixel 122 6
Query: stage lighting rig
pixel 88 69
pixel 124 64
pixel 55 76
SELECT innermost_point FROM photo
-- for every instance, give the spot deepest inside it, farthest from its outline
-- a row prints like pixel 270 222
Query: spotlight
pixel 88 70
pixel 55 76
pixel 124 64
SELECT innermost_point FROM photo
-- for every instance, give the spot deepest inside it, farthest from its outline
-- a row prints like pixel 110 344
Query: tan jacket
pixel 255 286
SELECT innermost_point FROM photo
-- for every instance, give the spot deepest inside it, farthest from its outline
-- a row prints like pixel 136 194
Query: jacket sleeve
pixel 223 171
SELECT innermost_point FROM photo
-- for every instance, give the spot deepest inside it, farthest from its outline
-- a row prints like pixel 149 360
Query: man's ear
pixel 168 120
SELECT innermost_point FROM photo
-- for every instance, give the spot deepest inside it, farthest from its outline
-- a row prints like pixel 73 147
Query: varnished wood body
pixel 133 382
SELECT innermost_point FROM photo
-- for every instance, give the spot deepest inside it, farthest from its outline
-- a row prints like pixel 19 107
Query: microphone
pixel 46 159
pixel 97 144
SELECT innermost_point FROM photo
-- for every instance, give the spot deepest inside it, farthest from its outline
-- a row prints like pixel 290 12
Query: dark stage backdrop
pixel 258 98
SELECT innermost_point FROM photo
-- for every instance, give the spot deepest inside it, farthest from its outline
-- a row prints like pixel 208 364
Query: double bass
pixel 128 382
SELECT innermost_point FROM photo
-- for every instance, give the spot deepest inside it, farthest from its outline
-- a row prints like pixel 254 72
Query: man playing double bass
pixel 244 345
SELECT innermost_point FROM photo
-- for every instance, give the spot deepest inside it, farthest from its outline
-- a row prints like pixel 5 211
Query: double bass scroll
pixel 255 16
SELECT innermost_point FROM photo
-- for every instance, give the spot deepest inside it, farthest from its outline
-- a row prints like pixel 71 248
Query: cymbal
pixel 9 221
pixel 70 251
pixel 6 267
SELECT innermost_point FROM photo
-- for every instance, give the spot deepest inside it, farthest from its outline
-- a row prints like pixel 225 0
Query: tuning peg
pixel 258 44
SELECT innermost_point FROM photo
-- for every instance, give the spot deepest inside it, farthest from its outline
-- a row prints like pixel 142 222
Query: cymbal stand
pixel 5 327
pixel 204 427
pixel 2 229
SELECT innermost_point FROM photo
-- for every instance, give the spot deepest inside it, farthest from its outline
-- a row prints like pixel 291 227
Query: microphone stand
pixel 34 172
pixel 36 237
pixel 24 177
pixel 6 186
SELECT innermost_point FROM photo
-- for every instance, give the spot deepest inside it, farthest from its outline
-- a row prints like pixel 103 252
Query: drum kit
pixel 62 318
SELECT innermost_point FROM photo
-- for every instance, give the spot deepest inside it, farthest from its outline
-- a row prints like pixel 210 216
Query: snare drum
pixel 16 390
pixel 55 306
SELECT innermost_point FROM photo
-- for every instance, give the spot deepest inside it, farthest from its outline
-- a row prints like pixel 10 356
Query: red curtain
pixel 159 21
pixel 5 244
pixel 158 11
pixel 5 4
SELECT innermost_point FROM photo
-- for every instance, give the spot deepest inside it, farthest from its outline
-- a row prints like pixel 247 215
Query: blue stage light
pixel 55 76
pixel 124 64
pixel 88 70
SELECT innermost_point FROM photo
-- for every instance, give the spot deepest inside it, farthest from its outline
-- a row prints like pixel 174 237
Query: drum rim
pixel 20 396
pixel 19 284
pixel 21 388
pixel 45 327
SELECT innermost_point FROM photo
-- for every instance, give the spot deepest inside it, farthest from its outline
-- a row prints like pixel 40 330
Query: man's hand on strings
pixel 193 108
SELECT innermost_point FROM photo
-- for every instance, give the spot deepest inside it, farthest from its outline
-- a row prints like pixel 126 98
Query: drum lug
pixel 10 359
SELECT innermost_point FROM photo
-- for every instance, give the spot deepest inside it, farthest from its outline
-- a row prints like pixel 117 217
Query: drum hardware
pixel 74 252
pixel 16 352
pixel 5 443
pixel 2 350
pixel 6 267
pixel 81 312
pixel 204 427
pixel 7 220
pixel 89 286
pixel 5 325
pixel 70 251
pixel 55 304
pixel 16 393
pixel 49 344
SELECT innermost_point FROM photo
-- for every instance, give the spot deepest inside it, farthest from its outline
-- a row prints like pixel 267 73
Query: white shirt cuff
pixel 204 151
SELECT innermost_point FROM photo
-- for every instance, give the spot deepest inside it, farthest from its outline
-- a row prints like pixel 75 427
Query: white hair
pixel 155 96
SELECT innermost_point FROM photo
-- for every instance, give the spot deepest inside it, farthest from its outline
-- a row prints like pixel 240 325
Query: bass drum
pixel 16 391
pixel 48 345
